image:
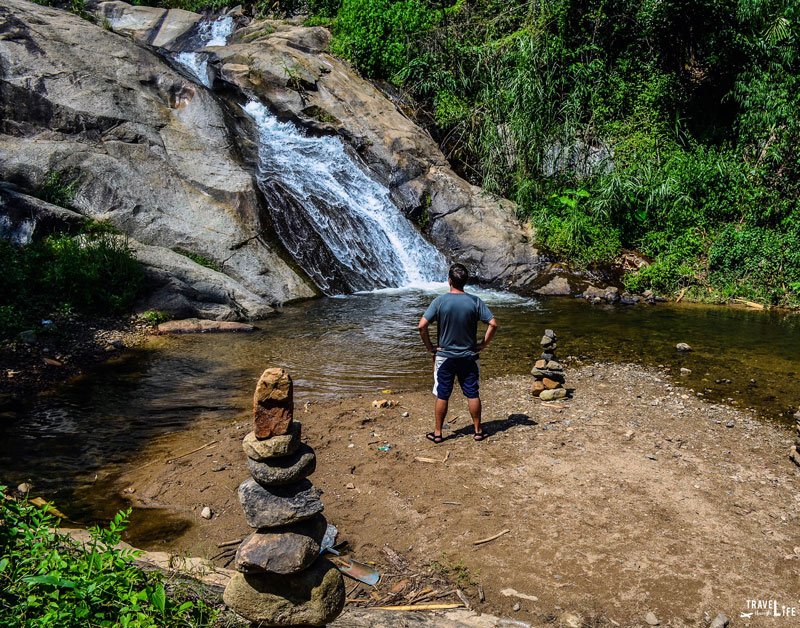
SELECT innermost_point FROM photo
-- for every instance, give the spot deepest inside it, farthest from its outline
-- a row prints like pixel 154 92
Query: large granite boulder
pixel 147 149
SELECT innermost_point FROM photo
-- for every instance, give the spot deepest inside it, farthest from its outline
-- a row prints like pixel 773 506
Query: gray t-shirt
pixel 458 315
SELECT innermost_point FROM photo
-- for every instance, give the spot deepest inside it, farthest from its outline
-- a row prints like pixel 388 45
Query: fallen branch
pixel 752 304
pixel 419 607
pixel 491 538
pixel 189 453
pixel 229 543
pixel 423 459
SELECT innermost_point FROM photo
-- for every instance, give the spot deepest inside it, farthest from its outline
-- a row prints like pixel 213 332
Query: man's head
pixel 458 276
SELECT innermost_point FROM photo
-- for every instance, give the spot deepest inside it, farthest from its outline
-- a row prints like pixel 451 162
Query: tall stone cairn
pixel 794 454
pixel 548 374
pixel 282 580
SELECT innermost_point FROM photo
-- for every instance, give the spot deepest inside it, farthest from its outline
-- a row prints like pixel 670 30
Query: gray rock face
pixel 282 550
pixel 24 218
pixel 278 505
pixel 275 447
pixel 284 470
pixel 312 597
pixel 148 150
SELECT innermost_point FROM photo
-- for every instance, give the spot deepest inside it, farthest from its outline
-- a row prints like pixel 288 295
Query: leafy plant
pixel 48 579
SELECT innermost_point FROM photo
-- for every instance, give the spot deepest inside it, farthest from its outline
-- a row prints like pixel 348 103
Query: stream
pixel 71 444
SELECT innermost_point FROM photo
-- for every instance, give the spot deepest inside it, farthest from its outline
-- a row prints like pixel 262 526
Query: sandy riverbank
pixel 633 497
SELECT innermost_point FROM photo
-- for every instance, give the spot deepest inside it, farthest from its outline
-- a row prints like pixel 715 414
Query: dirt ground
pixel 633 497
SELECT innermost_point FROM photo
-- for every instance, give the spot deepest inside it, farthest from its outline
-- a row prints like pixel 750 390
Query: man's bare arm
pixel 424 333
pixel 491 330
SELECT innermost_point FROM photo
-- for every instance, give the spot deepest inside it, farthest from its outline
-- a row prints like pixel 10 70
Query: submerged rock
pixel 312 597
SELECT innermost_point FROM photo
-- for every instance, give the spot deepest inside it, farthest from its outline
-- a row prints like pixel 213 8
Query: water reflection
pixel 70 443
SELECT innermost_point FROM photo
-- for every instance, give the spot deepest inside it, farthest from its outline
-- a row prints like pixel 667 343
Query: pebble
pixel 651 619
pixel 682 346
pixel 516 607
pixel 720 621
pixel 730 424
pixel 206 513
pixel 405 415
pixel 24 488
pixel 685 371
pixel 350 486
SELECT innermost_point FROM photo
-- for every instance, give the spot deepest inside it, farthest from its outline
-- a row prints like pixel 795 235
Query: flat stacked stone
pixel 794 454
pixel 282 579
pixel 548 373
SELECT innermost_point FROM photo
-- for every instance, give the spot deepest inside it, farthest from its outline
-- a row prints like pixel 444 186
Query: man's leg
pixel 439 413
pixel 475 412
pixel 443 379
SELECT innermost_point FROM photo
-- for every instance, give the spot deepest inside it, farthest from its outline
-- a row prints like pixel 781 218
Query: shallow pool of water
pixel 69 444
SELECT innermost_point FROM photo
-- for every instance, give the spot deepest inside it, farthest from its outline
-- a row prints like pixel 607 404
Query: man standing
pixel 456 353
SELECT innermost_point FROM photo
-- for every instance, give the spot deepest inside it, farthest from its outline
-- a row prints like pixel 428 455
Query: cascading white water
pixel 338 224
pixel 341 226
pixel 209 33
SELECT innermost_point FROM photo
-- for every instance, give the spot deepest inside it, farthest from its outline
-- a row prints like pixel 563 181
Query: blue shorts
pixel 445 371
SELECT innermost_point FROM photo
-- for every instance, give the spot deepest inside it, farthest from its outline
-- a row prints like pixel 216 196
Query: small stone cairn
pixel 548 374
pixel 282 580
pixel 794 454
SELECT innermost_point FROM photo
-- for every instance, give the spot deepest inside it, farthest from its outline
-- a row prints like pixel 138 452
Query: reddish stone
pixel 550 384
pixel 540 364
pixel 273 404
pixel 537 388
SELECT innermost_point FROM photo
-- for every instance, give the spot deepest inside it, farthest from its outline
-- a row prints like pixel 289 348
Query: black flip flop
pixel 479 436
pixel 434 438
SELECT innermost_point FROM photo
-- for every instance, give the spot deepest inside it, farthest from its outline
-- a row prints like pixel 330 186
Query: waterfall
pixel 338 224
pixel 209 33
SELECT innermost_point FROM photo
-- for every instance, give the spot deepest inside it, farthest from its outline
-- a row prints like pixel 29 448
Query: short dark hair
pixel 458 276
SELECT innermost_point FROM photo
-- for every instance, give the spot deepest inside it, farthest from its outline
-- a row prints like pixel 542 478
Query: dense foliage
pixel 48 579
pixel 94 273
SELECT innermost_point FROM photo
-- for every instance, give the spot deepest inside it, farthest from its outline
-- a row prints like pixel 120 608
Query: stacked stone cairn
pixel 548 374
pixel 282 580
pixel 794 454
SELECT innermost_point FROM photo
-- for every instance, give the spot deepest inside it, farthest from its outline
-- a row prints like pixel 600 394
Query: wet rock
pixel 552 395
pixel 278 505
pixel 273 404
pixel 198 326
pixel 275 447
pixel 282 550
pixel 312 597
pixel 651 619
pixel 683 347
pixel 285 470
pixel 557 286
pixel 628 299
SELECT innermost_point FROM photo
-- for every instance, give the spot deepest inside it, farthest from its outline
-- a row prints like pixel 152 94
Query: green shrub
pixel 57 191
pixel 95 273
pixel 376 34
pixel 48 579
pixel 198 259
